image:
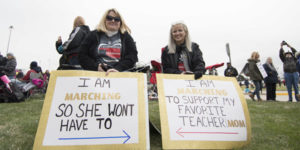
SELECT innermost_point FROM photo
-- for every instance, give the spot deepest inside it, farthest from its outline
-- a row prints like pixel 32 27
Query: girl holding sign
pixel 182 56
pixel 109 48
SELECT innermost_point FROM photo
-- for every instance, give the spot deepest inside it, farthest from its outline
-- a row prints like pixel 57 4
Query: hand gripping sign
pixel 209 113
pixel 88 110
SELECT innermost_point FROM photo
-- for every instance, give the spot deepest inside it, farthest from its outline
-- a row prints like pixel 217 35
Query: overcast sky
pixel 248 25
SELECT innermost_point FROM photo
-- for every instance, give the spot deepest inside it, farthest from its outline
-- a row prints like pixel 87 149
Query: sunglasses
pixel 110 18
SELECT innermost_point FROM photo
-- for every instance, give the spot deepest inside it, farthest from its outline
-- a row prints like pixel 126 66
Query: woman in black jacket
pixel 182 56
pixel 10 67
pixel 70 48
pixel 110 48
pixel 271 80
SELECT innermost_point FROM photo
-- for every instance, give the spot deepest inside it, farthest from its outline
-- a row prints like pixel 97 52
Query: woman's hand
pixel 100 68
pixel 111 70
pixel 59 39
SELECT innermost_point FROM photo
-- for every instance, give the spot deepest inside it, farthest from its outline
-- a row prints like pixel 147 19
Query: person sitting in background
pixel 3 60
pixel 255 75
pixel 213 71
pixel 110 48
pixel 181 55
pixel 20 74
pixel 271 80
pixel 34 68
pixel 25 83
pixel 10 66
pixel 70 48
pixel 290 70
pixel 47 73
pixel 230 71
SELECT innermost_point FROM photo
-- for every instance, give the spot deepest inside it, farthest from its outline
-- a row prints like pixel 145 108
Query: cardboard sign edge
pixel 143 123
pixel 170 144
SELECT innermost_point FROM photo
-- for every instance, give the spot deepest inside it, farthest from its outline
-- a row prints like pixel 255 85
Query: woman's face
pixel 112 22
pixel 178 34
pixel 9 57
pixel 257 56
pixel 269 60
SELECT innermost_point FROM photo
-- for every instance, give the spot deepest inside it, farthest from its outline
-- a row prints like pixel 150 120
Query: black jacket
pixel 89 52
pixel 3 60
pixel 196 62
pixel 289 64
pixel 230 72
pixel 10 67
pixel 254 72
pixel 272 74
pixel 76 37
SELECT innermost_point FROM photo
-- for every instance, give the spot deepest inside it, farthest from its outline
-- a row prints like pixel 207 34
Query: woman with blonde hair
pixel 70 48
pixel 255 75
pixel 109 48
pixel 181 55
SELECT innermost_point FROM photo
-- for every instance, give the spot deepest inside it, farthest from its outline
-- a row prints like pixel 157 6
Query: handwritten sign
pixel 88 110
pixel 210 113
pixel 262 69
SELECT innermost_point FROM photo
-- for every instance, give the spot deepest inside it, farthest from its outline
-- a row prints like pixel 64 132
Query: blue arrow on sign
pixel 127 137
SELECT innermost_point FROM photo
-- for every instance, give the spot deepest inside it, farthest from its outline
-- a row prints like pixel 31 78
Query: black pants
pixel 271 91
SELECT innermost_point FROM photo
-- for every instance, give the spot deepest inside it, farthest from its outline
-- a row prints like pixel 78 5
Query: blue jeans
pixel 292 79
pixel 258 86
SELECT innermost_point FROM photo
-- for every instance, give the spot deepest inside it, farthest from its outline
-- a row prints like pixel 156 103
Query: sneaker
pixel 298 96
pixel 259 99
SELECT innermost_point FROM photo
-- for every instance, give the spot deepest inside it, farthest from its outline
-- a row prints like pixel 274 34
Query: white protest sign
pixel 261 69
pixel 210 113
pixel 89 110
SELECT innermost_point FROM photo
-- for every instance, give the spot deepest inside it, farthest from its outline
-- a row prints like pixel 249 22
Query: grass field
pixel 275 125
pixel 278 88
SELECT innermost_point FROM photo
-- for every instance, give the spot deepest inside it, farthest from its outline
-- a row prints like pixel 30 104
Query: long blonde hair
pixel 255 56
pixel 172 45
pixel 102 27
pixel 79 21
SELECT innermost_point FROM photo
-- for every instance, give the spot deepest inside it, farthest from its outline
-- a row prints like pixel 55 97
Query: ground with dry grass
pixel 18 123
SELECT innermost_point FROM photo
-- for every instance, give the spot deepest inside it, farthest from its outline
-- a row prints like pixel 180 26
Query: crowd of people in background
pixel 111 48
pixel 13 80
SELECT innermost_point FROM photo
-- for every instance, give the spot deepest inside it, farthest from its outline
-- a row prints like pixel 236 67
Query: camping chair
pixel 37 84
